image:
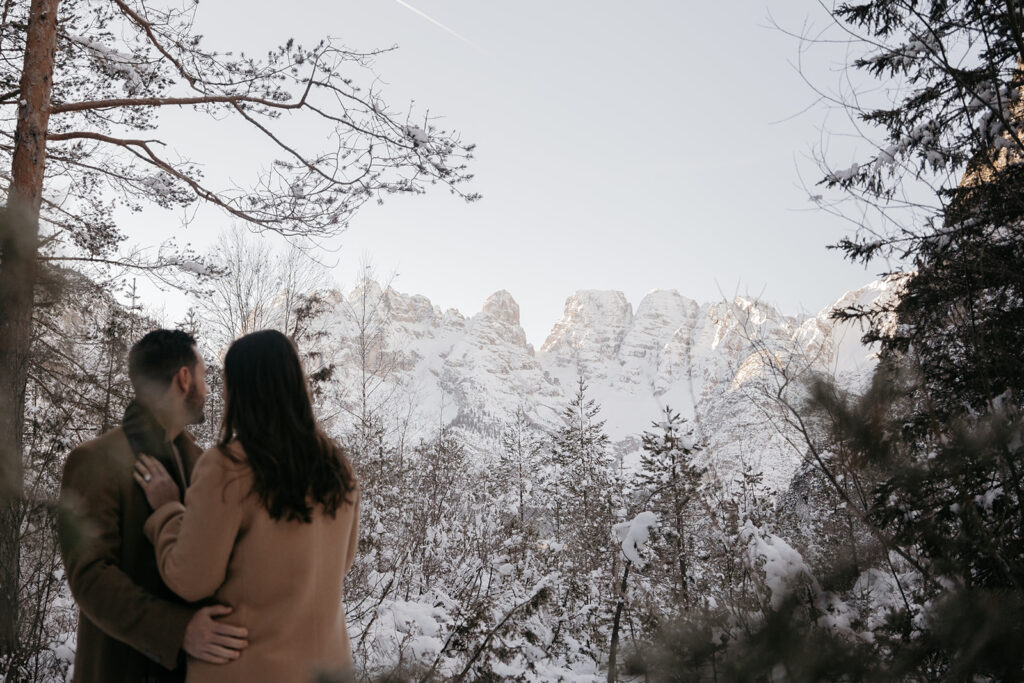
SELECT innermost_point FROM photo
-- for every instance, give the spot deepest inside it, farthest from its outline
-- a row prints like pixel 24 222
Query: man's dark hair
pixel 154 359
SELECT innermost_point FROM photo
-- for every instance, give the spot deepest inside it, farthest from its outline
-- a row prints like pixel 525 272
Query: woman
pixel 269 525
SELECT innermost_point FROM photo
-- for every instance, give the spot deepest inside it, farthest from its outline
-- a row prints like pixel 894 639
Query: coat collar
pixel 146 435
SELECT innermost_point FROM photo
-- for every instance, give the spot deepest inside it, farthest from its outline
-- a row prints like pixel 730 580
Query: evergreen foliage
pixel 666 483
pixel 518 471
pixel 923 470
pixel 958 126
pixel 584 478
pixel 941 424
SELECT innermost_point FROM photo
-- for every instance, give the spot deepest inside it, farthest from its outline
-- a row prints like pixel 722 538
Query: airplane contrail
pixel 437 23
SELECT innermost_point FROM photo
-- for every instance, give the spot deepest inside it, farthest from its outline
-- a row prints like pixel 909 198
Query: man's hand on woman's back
pixel 212 641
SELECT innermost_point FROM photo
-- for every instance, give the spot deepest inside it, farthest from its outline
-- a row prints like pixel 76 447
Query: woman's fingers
pixel 151 469
pixel 154 465
pixel 157 484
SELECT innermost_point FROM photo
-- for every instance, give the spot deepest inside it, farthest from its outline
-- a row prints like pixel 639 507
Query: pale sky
pixel 629 146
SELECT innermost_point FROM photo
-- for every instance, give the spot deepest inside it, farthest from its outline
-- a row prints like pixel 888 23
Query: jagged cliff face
pixel 429 367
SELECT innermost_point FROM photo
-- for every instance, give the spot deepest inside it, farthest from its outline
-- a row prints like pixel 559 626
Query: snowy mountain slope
pixel 432 368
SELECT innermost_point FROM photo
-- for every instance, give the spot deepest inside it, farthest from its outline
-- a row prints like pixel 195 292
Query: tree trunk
pixel 684 588
pixel 19 237
pixel 613 651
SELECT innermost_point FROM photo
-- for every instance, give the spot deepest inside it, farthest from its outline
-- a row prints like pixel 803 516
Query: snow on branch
pixel 135 71
pixel 786 575
pixel 634 534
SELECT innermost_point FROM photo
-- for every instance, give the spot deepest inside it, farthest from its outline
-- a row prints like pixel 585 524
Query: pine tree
pixel 518 469
pixel 584 478
pixel 666 484
pixel 956 124
pixel 938 435
pixel 191 323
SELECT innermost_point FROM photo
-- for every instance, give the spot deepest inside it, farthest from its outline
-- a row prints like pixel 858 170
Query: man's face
pixel 195 399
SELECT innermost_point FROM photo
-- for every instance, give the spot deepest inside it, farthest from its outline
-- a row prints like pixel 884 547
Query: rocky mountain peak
pixel 503 307
pixel 472 373
pixel 665 304
pixel 367 289
pixel 592 319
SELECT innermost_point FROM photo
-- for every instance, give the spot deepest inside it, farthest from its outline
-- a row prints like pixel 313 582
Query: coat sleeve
pixel 89 534
pixel 194 541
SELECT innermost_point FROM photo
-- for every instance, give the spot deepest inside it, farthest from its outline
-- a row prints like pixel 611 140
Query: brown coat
pixel 131 627
pixel 283 579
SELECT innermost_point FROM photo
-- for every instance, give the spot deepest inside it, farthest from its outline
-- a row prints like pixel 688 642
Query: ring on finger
pixel 147 477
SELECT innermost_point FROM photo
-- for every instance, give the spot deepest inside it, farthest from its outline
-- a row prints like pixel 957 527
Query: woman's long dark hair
pixel 268 409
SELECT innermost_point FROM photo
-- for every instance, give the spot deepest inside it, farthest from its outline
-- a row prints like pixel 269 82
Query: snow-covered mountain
pixel 429 368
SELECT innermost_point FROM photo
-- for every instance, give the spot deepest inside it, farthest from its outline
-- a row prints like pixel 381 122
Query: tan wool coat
pixel 130 627
pixel 283 579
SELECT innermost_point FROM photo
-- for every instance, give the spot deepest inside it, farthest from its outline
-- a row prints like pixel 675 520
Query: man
pixel 132 627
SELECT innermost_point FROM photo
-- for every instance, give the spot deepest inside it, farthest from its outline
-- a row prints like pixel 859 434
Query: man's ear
pixel 183 378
